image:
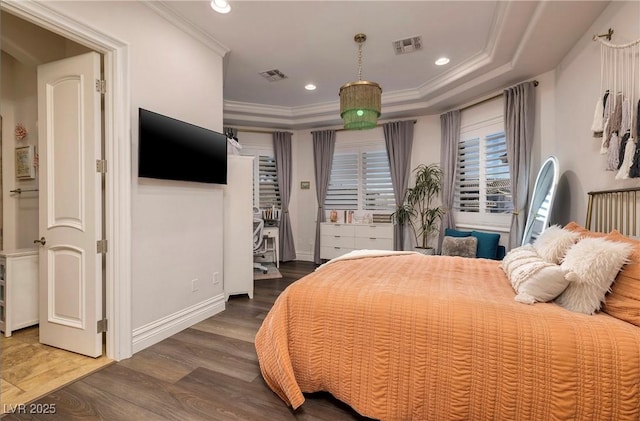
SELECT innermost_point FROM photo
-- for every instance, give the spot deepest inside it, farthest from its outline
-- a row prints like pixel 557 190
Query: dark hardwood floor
pixel 207 372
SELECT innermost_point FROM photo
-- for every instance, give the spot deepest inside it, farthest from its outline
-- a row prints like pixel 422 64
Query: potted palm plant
pixel 418 209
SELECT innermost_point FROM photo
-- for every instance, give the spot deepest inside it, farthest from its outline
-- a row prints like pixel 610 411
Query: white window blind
pixel 268 189
pixel 483 183
pixel 377 189
pixel 360 180
pixel 342 192
pixel 498 180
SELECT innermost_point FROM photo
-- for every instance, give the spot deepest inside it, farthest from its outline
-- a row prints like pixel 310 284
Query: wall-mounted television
pixel 171 149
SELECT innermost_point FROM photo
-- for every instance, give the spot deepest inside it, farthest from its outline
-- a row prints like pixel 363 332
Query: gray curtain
pixel 282 150
pixel 398 137
pixel 324 143
pixel 519 114
pixel 449 140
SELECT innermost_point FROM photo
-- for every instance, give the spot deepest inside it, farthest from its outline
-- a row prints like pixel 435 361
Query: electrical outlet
pixel 194 285
pixel 216 279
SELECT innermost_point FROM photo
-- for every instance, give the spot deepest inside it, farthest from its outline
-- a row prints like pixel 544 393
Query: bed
pixel 405 336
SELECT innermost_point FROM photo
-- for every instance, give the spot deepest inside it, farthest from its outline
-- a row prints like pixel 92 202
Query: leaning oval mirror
pixel 541 200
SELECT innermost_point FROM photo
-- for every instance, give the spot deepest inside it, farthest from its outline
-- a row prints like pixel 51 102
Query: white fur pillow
pixel 554 242
pixel 591 265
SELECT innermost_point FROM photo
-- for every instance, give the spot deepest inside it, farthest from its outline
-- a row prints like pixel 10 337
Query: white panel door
pixel 69 139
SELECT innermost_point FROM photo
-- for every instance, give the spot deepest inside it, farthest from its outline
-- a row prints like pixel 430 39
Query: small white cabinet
pixel 339 239
pixel 238 227
pixel 18 290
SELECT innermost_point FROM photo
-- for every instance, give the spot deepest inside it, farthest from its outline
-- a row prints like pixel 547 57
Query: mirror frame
pixel 531 215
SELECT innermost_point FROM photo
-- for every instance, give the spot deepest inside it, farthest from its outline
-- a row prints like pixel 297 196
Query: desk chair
pixel 259 245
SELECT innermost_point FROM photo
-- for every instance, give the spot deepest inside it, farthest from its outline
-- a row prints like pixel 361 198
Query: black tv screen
pixel 171 149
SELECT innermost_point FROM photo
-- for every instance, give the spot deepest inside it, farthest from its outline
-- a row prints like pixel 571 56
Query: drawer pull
pixel 337 236
pixel 372 238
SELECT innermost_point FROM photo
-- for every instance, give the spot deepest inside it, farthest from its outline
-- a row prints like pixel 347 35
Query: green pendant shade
pixel 360 105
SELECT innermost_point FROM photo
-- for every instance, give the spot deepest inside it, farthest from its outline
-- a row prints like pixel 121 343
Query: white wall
pixel 19 105
pixel 582 167
pixel 176 226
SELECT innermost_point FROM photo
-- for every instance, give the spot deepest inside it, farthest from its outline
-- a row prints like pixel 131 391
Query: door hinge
pixel 101 246
pixel 101 166
pixel 101 86
pixel 102 326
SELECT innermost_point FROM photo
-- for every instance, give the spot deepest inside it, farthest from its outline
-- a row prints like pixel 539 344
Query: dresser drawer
pixel 332 252
pixel 337 241
pixel 344 230
pixel 374 243
pixel 374 231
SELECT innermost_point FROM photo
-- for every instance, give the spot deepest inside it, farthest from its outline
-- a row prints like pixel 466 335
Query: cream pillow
pixel 554 242
pixel 534 279
pixel 516 257
pixel 591 265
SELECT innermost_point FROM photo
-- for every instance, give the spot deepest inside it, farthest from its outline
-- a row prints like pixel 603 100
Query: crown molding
pixel 184 24
pixel 535 21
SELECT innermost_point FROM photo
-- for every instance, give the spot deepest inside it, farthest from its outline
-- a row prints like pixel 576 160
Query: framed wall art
pixel 25 168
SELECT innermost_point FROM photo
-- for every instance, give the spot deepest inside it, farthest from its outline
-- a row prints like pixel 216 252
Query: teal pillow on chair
pixel 450 232
pixel 487 244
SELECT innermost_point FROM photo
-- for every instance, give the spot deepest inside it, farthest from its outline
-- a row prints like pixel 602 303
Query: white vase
pixel 429 251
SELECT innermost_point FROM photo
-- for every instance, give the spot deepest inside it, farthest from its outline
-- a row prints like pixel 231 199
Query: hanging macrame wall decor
pixel 615 120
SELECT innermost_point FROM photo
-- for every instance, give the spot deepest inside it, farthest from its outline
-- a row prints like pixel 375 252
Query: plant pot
pixel 429 251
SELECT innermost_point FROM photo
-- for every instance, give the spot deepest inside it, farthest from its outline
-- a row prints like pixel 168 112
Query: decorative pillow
pixel 459 246
pixel 487 244
pixel 591 266
pixel 584 233
pixel 624 300
pixel 534 279
pixel 514 255
pixel 554 242
pixel 450 232
pixel 538 281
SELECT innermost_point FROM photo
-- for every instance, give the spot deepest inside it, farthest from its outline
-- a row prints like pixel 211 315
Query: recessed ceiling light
pixel 442 61
pixel 221 6
pixel 310 87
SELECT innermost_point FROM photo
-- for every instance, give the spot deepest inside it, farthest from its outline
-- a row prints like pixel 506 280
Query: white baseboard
pixel 307 257
pixel 154 332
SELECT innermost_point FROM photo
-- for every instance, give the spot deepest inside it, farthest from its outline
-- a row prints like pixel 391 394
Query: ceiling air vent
pixel 273 75
pixel 408 45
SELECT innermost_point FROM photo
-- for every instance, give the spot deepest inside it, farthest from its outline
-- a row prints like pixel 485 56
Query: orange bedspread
pixel 435 337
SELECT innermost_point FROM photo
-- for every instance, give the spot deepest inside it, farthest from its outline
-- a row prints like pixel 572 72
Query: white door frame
pixel 118 155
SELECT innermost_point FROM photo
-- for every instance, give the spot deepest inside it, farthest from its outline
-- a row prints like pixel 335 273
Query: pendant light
pixel 360 102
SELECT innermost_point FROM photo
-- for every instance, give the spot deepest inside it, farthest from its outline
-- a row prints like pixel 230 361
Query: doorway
pixel 117 182
pixel 28 367
pixel 117 122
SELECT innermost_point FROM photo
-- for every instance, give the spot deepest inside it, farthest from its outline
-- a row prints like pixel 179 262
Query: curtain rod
pixel 260 131
pixel 482 101
pixel 377 125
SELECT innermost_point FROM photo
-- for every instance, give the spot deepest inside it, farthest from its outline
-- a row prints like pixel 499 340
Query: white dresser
pixel 338 239
pixel 18 289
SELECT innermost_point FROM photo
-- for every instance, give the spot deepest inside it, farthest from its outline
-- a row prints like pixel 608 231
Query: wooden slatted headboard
pixel 613 209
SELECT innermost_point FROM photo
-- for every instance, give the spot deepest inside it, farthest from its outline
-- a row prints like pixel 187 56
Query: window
pixel 266 192
pixel 360 180
pixel 483 183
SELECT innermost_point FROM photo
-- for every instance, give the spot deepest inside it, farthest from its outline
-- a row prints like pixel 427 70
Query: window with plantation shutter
pixel 377 190
pixel 268 190
pixel 498 180
pixel 360 180
pixel 483 182
pixel 467 194
pixel 342 192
